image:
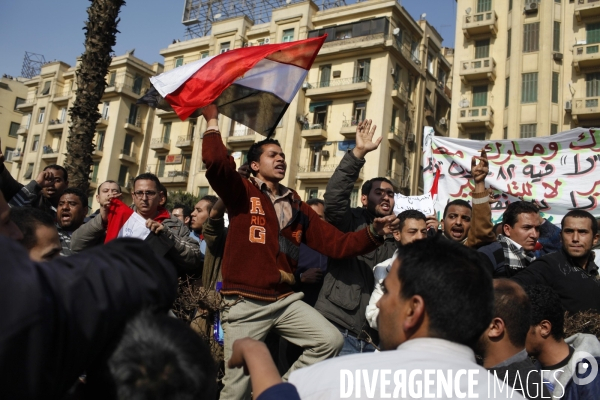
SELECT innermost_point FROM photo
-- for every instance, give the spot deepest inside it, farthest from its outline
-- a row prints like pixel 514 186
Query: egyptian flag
pixel 124 222
pixel 251 85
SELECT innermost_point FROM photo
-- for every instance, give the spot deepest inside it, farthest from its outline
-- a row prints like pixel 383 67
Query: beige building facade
pixel 377 63
pixel 525 68
pixel 12 93
pixel 121 137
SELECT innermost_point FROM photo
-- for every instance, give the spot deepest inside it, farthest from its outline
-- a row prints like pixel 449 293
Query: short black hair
pixel 457 202
pixel 60 168
pixel 256 150
pixel 109 181
pixel 581 214
pixel 149 177
pixel 456 290
pixel 511 304
pixel 314 201
pixel 28 219
pixel 210 199
pixel 163 189
pixel 410 214
pixel 511 215
pixel 368 185
pixel 184 209
pixel 157 357
pixel 79 193
pixel 546 305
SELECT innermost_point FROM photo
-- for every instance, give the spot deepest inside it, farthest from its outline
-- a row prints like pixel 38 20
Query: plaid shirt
pixel 516 257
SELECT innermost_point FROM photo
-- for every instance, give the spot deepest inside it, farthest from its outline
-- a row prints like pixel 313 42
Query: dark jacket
pixel 348 284
pixel 578 289
pixel 308 259
pixel 58 317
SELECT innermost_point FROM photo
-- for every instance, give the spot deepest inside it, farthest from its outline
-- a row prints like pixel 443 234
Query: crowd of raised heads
pixel 256 292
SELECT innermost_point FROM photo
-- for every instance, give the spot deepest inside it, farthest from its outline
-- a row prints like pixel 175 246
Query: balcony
pixel 17 156
pixel 407 54
pixel 313 132
pixel 441 127
pixel 400 93
pixel 484 23
pixel 28 105
pixel 177 177
pixel 395 135
pixel 241 136
pixel 349 128
pixel 133 91
pixel 185 142
pixel 353 38
pixel 482 69
pixel 337 88
pixel 133 125
pixel 97 154
pixel 320 173
pixel 103 121
pixel 128 157
pixel 586 9
pixel 56 125
pixel 586 56
pixel 160 145
pixel 165 114
pixel 23 130
pixel 476 118
pixel 585 109
pixel 49 153
pixel 62 96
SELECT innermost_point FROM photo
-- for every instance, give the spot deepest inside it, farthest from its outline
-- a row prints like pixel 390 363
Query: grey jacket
pixel 348 284
pixel 185 253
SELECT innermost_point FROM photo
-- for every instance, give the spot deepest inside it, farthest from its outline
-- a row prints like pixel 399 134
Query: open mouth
pixel 280 168
pixel 457 232
pixel 65 217
pixel 385 206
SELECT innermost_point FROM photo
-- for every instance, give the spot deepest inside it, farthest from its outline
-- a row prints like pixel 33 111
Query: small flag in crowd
pixel 124 222
pixel 251 85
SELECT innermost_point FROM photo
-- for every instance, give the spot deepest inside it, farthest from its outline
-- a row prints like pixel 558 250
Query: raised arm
pixel 339 188
pixel 481 231
pixel 30 192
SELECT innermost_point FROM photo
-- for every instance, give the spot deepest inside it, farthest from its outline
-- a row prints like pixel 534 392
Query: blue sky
pixel 54 28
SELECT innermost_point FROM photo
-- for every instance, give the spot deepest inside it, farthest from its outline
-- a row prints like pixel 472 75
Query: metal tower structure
pixel 199 15
pixel 32 64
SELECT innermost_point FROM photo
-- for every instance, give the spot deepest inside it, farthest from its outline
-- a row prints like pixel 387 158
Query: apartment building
pixel 525 68
pixel 121 140
pixel 377 63
pixel 12 93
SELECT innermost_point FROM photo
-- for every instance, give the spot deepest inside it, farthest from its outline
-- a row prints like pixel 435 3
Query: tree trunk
pixel 100 37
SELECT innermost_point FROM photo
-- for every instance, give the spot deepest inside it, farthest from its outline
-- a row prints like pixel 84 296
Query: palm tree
pixel 100 37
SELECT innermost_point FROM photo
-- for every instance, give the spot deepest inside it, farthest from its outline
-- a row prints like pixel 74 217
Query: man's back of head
pixel 547 321
pixel 456 292
pixel 40 236
pixel 157 357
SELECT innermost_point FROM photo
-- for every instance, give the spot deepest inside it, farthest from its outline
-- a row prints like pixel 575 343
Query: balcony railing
pixel 586 9
pixel 480 24
pixel 128 153
pixel 474 112
pixel 476 117
pixel 317 168
pixel 405 49
pixel 162 140
pixel 347 123
pixel 586 56
pixel 137 122
pixel 586 108
pixel 478 69
pixel 308 127
pixel 49 150
pixel 339 82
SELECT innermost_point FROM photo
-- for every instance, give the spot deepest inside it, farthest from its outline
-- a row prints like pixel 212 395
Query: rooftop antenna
pixel 423 16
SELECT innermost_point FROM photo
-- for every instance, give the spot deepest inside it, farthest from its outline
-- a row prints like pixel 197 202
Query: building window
pixel 556 37
pixel 394 117
pixel 557 1
pixel 484 5
pixel 166 137
pixel 127 145
pixel 430 67
pixel 192 128
pixel 160 170
pixel 592 85
pixel 224 47
pixel 509 43
pixel 14 127
pixel 36 143
pixel 592 33
pixel 315 158
pixel 507 92
pixel 46 89
pixel 325 75
pixel 528 130
pixel 530 88
pixel 391 167
pixel 28 171
pixel 555 87
pixel 202 191
pixel 510 5
pixel 477 136
pixel 354 198
pixel 100 140
pixel 505 133
pixel 531 37
pixel 204 54
pixel 112 78
pixel 63 114
pixel 95 171
pixel 178 61
pixel 41 115
pixel 133 111
pixel 553 129
pixel 18 101
pixel 105 109
pixel 320 116
pixel 312 193
pixel 361 73
pixel 360 111
pixel 187 162
pixel 137 84
pixel 123 170
pixel 288 35
pixel 482 48
pixel 480 96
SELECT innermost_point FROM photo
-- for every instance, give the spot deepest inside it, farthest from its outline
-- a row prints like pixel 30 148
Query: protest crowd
pixel 342 296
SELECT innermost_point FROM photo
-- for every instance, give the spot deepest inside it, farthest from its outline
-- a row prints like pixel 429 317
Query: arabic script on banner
pixel 422 203
pixel 558 173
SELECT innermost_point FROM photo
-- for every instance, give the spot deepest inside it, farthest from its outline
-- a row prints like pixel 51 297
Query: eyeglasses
pixel 148 193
